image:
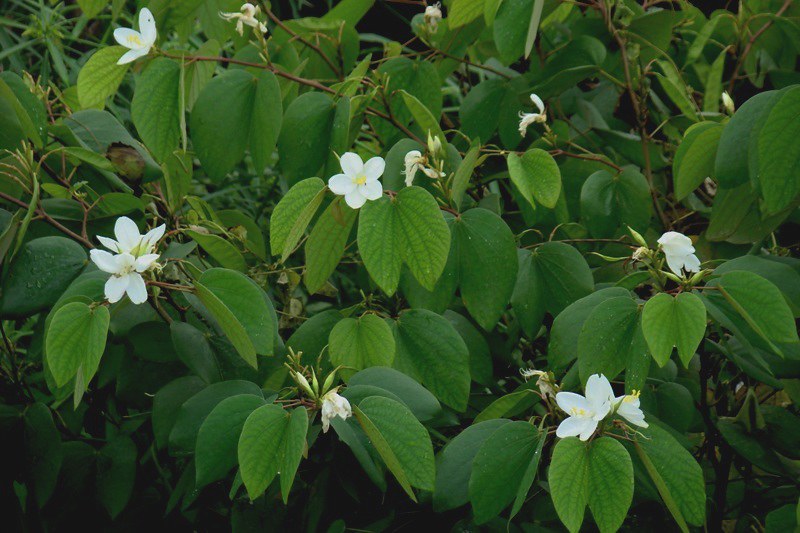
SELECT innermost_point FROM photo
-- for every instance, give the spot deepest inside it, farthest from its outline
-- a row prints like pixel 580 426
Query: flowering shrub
pixel 382 265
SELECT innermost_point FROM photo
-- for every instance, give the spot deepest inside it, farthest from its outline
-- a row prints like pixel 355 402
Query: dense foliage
pixel 388 265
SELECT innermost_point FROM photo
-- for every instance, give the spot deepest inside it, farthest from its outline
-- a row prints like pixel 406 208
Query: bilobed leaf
pixel 361 343
pixel 292 215
pixel 569 481
pixel 485 254
pixel 499 468
pixel 155 108
pixel 305 140
pixel 100 77
pixel 76 339
pixel 669 322
pixel 326 243
pixel 536 175
pixel 610 483
pixel 609 201
pixel 402 442
pixel 262 447
pixel 432 349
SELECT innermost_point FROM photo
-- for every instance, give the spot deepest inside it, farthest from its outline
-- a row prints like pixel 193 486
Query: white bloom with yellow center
pixel 334 405
pixel 139 42
pixel 627 407
pixel 585 412
pixel 246 17
pixel 359 181
pixel 133 256
pixel 526 119
pixel 679 252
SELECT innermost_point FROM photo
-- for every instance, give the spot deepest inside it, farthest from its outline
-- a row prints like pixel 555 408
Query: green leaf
pixel 402 442
pixel 485 251
pixel 779 153
pixel 254 238
pixel 609 201
pixel 676 474
pixel 116 474
pixel 569 481
pixel 430 348
pixel 536 175
pixel 167 403
pixel 508 405
pixel 350 11
pixel 417 398
pixel 511 28
pixel 155 108
pixel 550 278
pixel 75 341
pixel 326 243
pixel 463 12
pixel 419 79
pixel 235 111
pixel 40 272
pixel 669 322
pixel 499 468
pixel 361 343
pixel 694 160
pixel 91 8
pixel 611 341
pixel 225 253
pixel 424 118
pixel 454 464
pixel 610 483
pixel 229 324
pixel 408 228
pixel 218 438
pixel 43 451
pixel 774 270
pixel 305 140
pixel 291 216
pixel 100 77
pixel 464 173
pixel 294 447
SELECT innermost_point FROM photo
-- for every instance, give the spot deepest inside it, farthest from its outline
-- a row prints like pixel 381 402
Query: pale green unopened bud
pixel 302 382
pixel 328 382
pixel 637 237
pixel 727 103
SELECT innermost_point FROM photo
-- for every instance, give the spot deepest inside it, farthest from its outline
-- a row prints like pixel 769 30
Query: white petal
pixel 127 233
pixel 587 432
pixel 675 263
pixel 129 38
pixel 104 261
pixel 355 199
pixel 132 55
pixel 691 263
pixel 351 164
pixel 154 235
pixel 341 184
pixel 568 401
pixel 373 169
pixel 116 286
pixel 598 391
pixel 572 427
pixel 111 244
pixel 537 102
pixel 147 26
pixel 145 261
pixel 125 261
pixel 372 190
pixel 676 243
pixel 137 291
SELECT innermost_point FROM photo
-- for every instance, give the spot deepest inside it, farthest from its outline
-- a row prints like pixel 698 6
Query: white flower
pixel 133 257
pixel 334 405
pixel 679 252
pixel 627 407
pixel 433 14
pixel 413 161
pixel 640 253
pixel 247 16
pixel 359 181
pixel 544 381
pixel 585 412
pixel 526 119
pixel 727 103
pixel 139 42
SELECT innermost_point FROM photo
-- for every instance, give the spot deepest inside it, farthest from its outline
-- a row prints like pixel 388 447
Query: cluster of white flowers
pixel 679 252
pixel 133 255
pixel 246 17
pixel 586 412
pixel 358 181
pixel 526 119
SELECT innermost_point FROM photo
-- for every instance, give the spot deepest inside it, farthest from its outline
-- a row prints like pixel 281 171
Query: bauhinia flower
pixel 246 16
pixel 139 42
pixel 679 252
pixel 727 103
pixel 433 14
pixel 544 381
pixel 585 412
pixel 334 405
pixel 359 181
pixel 627 406
pixel 414 161
pixel 133 257
pixel 526 119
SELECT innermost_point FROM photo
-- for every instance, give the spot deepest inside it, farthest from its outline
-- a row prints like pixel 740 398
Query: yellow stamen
pixel 134 39
pixel 360 180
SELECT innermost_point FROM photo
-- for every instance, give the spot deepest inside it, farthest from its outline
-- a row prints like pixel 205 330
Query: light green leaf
pixel 292 215
pixel 779 152
pixel 609 201
pixel 536 175
pixel 227 321
pixel 225 253
pixel 610 483
pixel 100 77
pixel 463 12
pixel 694 160
pixel 76 340
pixel 361 343
pixel 569 481
pixel 326 243
pixel 155 108
pixel 424 118
pixel 669 322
